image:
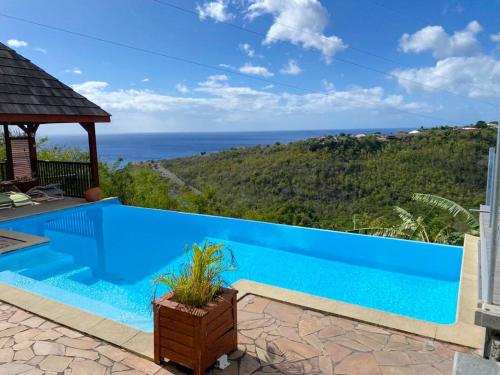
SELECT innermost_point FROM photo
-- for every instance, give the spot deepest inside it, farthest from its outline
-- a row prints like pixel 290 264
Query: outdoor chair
pixel 5 201
pixel 51 192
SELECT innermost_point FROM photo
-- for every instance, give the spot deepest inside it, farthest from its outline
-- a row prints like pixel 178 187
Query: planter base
pixel 195 337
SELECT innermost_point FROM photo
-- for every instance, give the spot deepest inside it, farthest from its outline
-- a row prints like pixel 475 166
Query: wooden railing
pixel 73 177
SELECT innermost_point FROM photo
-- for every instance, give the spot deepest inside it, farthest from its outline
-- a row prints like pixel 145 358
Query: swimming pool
pixel 103 257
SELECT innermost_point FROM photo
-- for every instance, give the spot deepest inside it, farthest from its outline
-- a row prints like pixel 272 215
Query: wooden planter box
pixel 195 337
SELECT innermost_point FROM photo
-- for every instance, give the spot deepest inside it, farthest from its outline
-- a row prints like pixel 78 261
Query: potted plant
pixel 195 323
pixel 93 194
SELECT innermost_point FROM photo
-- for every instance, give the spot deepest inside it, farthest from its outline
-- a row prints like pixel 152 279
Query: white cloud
pixel 41 50
pixel 292 68
pixel 220 98
pixel 182 88
pixel 76 71
pixel 216 104
pixel 91 86
pixel 475 76
pixel 16 43
pixel 268 87
pixel 226 66
pixel 145 80
pixel 217 10
pixel 495 37
pixel 247 49
pixel 442 45
pixel 301 22
pixel 256 70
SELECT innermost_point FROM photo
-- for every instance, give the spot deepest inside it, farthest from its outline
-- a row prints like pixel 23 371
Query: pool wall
pixel 373 251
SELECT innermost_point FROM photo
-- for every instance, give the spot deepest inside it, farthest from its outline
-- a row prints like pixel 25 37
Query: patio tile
pixel 293 350
pixel 308 326
pixel 24 355
pixel 337 352
pixel 248 365
pixel 86 367
pixel 55 363
pixel 358 364
pixel 285 313
pixel 330 331
pixel 140 364
pixel 392 358
pixel 77 343
pixel 326 345
pixel 112 352
pixel 326 365
pixel 88 354
pixel 48 347
pixel 6 355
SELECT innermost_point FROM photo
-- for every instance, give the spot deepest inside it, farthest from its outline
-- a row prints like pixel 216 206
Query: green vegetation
pixel 199 281
pixel 431 227
pixel 136 186
pixel 341 182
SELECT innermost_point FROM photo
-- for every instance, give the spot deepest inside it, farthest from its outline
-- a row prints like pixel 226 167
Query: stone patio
pixel 274 338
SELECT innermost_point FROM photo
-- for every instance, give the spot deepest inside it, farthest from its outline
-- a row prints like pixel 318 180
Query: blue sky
pixel 441 56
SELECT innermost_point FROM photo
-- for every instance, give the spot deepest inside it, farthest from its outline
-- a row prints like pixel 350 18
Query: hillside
pixel 332 181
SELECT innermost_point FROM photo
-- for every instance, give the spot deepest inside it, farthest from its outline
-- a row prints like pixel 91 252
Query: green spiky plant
pixel 425 227
pixel 200 280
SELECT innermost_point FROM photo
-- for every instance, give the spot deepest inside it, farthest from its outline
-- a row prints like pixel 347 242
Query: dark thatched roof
pixel 30 95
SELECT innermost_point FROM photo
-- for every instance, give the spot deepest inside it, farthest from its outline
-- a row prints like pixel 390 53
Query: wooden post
pixel 8 152
pixel 94 163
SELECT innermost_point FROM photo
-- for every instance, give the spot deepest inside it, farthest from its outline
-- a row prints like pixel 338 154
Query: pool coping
pixel 463 332
pixel 25 240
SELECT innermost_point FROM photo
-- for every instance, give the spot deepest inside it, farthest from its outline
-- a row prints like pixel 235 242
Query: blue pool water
pixel 103 257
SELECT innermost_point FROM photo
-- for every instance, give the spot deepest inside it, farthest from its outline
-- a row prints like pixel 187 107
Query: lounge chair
pixel 50 192
pixel 5 201
pixel 19 199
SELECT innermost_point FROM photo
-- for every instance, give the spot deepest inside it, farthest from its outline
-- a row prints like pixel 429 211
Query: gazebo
pixel 30 97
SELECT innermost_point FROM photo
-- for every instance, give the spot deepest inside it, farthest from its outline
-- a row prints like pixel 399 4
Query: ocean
pixel 156 146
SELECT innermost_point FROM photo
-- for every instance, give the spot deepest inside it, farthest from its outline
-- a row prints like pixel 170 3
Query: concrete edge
pixel 25 240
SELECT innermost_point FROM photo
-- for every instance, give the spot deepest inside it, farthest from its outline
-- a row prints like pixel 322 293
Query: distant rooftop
pixel 28 94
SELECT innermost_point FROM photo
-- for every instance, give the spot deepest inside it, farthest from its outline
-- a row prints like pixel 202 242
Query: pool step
pixel 83 282
pixel 56 265
pixel 83 275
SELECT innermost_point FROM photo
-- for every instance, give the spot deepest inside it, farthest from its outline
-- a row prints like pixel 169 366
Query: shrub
pixel 200 279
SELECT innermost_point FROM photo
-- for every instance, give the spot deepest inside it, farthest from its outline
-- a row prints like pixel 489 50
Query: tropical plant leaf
pixel 200 280
pixel 447 205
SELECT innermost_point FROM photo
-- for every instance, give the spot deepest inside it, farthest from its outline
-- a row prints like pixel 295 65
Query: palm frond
pixel 407 219
pixel 447 205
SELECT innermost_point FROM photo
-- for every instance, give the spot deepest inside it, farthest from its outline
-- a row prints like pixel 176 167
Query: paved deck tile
pixel 274 338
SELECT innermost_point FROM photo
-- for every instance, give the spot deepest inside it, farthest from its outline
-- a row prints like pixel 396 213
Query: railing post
pixel 491 177
pixel 494 221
